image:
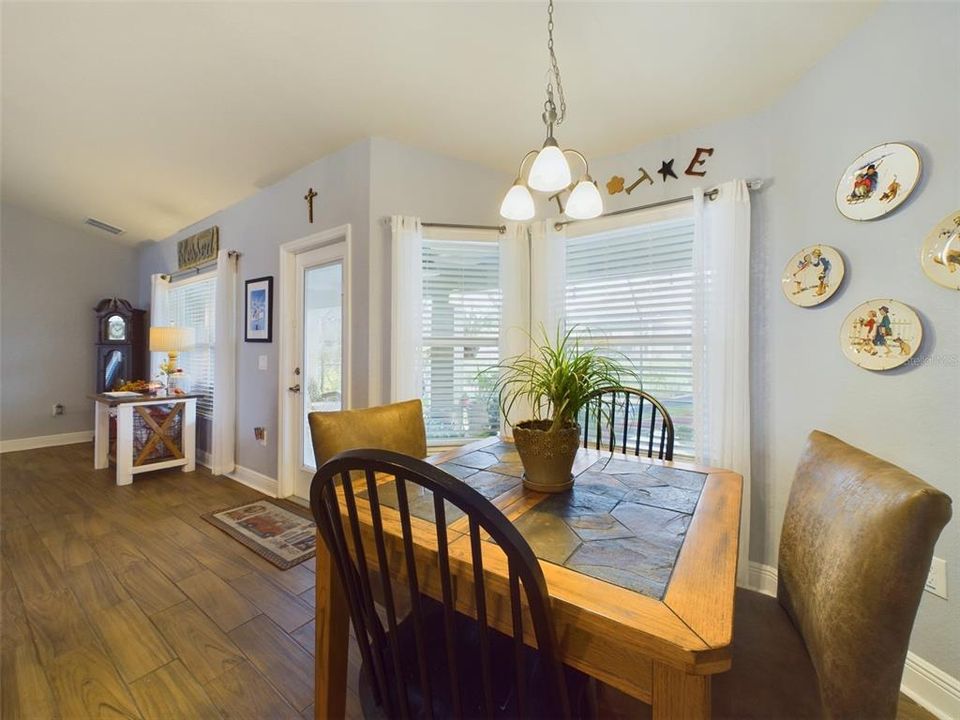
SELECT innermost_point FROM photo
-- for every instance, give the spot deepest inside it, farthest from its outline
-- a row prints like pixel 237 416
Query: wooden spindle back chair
pixel 625 420
pixel 436 643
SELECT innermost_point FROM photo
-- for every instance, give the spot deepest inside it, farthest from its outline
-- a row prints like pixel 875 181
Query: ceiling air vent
pixel 93 222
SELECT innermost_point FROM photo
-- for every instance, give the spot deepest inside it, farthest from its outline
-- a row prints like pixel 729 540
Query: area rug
pixel 279 531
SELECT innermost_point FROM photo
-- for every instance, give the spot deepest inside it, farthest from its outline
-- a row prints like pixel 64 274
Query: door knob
pixel 294 388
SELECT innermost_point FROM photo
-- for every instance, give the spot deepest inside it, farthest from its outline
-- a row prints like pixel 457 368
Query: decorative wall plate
pixel 940 254
pixel 881 334
pixel 878 181
pixel 812 275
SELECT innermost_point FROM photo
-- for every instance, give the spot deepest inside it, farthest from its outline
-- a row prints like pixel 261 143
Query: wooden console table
pixel 148 436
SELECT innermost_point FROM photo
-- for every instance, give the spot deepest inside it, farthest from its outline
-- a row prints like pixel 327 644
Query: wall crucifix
pixel 311 194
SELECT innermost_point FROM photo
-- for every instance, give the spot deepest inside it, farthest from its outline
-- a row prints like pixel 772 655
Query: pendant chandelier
pixel 550 171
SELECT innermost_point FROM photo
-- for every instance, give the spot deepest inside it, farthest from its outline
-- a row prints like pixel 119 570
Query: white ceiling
pixel 150 116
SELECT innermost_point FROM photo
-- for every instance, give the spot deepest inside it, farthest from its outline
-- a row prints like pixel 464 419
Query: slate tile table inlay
pixel 622 522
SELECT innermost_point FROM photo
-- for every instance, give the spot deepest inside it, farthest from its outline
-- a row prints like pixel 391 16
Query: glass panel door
pixel 322 349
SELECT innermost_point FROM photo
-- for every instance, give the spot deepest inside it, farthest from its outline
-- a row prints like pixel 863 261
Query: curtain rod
pixel 499 228
pixel 180 274
pixel 710 195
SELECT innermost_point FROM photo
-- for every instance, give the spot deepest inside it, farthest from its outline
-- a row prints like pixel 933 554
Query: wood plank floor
pixel 123 602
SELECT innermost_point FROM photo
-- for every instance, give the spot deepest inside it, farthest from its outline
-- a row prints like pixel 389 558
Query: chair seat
pixel 772 675
pixel 469 670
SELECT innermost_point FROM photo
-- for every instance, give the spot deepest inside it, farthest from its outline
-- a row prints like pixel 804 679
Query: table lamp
pixel 172 340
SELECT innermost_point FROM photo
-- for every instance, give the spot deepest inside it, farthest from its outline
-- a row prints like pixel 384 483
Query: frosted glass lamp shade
pixel 171 339
pixel 517 203
pixel 550 170
pixel 585 201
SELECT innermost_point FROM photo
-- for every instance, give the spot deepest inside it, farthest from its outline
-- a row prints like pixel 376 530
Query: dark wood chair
pixel 625 420
pixel 437 662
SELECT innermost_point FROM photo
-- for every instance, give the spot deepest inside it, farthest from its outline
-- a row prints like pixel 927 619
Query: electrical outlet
pixel 262 362
pixel 260 434
pixel 937 579
pixel 57 409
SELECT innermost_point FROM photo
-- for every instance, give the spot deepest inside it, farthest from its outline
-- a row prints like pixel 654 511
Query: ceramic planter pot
pixel 547 456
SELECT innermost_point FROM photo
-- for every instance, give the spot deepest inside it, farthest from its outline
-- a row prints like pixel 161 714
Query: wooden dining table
pixel 640 561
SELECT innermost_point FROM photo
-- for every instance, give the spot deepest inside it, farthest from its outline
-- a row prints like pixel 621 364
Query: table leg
pixel 101 436
pixel 679 696
pixel 188 435
pixel 124 444
pixel 332 625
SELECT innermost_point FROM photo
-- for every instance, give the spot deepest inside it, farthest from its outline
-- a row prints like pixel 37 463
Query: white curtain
pixel 515 305
pixel 548 274
pixel 721 339
pixel 406 294
pixel 159 315
pixel 223 432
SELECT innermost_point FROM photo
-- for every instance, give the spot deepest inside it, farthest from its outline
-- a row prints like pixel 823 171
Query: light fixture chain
pixel 554 69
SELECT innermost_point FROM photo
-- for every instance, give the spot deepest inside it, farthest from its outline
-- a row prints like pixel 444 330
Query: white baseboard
pixel 42 441
pixel 762 578
pixel 924 683
pixel 931 687
pixel 251 478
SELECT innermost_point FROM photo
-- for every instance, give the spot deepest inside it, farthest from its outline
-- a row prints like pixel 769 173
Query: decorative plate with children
pixel 940 254
pixel 878 181
pixel 812 275
pixel 881 334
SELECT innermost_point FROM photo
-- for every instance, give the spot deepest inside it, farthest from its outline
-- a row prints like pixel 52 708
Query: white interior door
pixel 320 344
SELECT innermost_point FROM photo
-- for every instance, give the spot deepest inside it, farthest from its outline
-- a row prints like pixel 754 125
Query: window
pixel 631 291
pixel 191 304
pixel 461 327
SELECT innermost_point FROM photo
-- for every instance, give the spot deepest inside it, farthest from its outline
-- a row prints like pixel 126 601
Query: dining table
pixel 639 557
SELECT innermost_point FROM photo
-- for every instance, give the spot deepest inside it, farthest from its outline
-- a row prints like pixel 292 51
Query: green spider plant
pixel 557 378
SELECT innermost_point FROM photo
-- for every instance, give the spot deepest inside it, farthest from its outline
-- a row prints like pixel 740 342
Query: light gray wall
pixel 408 181
pixel 256 227
pixel 51 276
pixel 359 185
pixel 866 92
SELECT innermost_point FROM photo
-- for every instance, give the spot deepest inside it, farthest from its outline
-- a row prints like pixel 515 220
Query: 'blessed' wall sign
pixel 198 249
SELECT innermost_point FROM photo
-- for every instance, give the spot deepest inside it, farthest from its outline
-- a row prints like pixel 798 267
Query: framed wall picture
pixel 881 334
pixel 812 276
pixel 258 315
pixel 878 181
pixel 940 254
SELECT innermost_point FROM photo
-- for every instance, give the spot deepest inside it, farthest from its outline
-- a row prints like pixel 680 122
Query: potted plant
pixel 556 380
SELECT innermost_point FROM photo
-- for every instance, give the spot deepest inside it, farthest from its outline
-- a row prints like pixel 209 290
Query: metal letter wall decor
pixel 617 183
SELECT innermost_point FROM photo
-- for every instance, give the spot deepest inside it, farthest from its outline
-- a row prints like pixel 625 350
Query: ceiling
pixel 151 116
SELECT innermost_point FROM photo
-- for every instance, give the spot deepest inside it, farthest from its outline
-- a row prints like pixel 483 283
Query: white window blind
pixel 192 304
pixel 461 323
pixel 630 291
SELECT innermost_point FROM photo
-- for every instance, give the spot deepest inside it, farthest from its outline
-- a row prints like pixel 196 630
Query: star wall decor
pixel 666 168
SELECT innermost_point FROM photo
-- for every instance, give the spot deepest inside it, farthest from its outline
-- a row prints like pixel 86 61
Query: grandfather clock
pixel 121 343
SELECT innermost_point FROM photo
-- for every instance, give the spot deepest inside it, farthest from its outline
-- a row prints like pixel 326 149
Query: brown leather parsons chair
pixel 397 427
pixel 856 545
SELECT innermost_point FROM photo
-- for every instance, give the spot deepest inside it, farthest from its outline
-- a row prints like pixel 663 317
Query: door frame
pixel 288 422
